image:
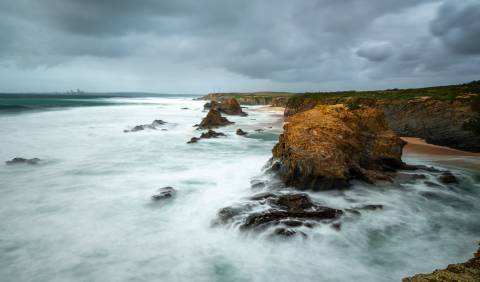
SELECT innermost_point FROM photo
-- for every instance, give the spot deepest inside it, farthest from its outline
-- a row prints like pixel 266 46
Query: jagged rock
pixel 17 160
pixel 327 146
pixel 211 134
pixel 185 108
pixel 288 210
pixel 213 120
pixel 153 125
pixel 241 132
pixel 227 106
pixel 447 178
pixel 462 272
pixel 206 135
pixel 164 193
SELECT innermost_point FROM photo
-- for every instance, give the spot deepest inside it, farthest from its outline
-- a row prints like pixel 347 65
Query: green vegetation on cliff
pixel 450 92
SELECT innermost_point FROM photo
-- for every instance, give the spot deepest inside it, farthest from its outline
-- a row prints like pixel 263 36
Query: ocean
pixel 85 212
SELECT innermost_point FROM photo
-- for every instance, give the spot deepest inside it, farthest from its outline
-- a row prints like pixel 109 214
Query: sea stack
pixel 213 120
pixel 329 145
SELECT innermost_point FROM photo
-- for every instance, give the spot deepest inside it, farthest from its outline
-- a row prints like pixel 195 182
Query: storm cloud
pixel 188 46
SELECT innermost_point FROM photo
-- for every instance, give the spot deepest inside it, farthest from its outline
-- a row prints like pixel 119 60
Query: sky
pixel 192 46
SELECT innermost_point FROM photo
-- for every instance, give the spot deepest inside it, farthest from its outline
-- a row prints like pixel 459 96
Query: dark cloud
pixel 458 25
pixel 239 45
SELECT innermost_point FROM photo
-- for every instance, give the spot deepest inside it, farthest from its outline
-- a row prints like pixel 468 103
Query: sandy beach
pixel 419 146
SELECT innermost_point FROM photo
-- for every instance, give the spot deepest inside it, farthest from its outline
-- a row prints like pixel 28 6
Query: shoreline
pixel 419 146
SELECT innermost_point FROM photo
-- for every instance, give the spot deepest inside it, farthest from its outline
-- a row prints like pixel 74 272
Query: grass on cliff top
pixel 439 92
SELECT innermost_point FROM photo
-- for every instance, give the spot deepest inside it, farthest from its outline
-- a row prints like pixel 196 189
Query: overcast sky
pixel 193 46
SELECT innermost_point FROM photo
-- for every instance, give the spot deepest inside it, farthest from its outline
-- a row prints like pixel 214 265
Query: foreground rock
pixel 154 125
pixel 329 145
pixel 16 161
pixel 213 120
pixel 206 135
pixel 462 272
pixel 280 211
pixel 164 193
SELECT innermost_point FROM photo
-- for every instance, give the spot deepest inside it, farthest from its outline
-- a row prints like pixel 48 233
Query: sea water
pixel 85 212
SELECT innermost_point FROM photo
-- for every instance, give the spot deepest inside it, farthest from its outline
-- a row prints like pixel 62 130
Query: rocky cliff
pixel 276 99
pixel 462 272
pixel 440 122
pixel 329 145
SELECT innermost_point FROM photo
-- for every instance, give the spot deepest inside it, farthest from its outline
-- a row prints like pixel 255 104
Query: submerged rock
pixel 17 160
pixel 462 272
pixel 211 134
pixel 447 178
pixel 206 135
pixel 213 120
pixel 327 146
pixel 164 193
pixel 241 132
pixel 153 125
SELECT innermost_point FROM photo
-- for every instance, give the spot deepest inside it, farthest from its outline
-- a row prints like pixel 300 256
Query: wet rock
pixel 432 184
pixel 211 134
pixel 241 132
pixel 259 130
pixel 288 210
pixel 462 272
pixel 447 178
pixel 17 160
pixel 213 120
pixel 206 135
pixel 153 125
pixel 370 207
pixel 193 140
pixel 185 108
pixel 164 193
pixel 408 177
pixel 327 146
pixel 287 232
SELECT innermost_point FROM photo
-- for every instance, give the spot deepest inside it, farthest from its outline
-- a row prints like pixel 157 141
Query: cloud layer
pixel 189 46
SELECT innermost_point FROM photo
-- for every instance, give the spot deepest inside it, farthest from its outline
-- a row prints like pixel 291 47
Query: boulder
pixel 193 140
pixel 17 160
pixel 241 132
pixel 329 145
pixel 213 120
pixel 164 193
pixel 227 106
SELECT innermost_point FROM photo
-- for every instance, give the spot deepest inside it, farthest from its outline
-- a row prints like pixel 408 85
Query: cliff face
pixel 275 99
pixel 440 122
pixel 329 145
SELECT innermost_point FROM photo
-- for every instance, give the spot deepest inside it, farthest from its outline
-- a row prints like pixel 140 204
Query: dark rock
pixel 447 178
pixel 408 177
pixel 211 134
pixel 241 132
pixel 141 127
pixel 164 193
pixel 184 108
pixel 259 130
pixel 213 119
pixel 432 184
pixel 337 226
pixel 287 232
pixel 17 160
pixel 262 196
pixel 370 207
pixel 193 140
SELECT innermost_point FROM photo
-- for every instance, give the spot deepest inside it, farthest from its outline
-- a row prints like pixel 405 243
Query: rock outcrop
pixel 329 145
pixel 439 122
pixel 275 99
pixel 206 135
pixel 285 213
pixel 164 193
pixel 213 120
pixel 17 160
pixel 154 125
pixel 462 272
pixel 228 106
